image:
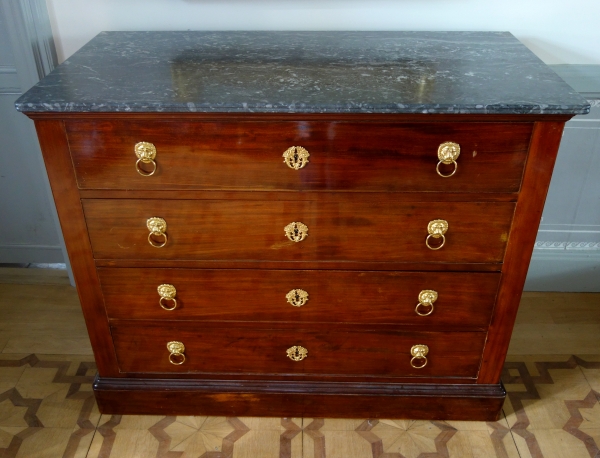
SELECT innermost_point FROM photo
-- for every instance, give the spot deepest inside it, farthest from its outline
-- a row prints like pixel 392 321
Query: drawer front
pixel 256 350
pixel 345 156
pixel 337 231
pixel 463 299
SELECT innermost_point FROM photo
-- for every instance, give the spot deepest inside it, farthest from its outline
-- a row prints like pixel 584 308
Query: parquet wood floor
pixel 47 409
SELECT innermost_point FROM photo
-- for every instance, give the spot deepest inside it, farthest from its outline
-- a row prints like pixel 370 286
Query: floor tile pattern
pixel 47 407
pixel 552 406
pixel 47 410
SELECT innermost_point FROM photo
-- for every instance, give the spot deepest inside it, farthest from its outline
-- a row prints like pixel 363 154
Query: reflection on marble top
pixel 304 72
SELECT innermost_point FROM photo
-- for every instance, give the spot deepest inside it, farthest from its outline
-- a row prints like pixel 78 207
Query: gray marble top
pixel 304 72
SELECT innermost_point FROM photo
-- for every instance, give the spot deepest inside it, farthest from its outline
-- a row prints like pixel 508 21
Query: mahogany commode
pixel 297 223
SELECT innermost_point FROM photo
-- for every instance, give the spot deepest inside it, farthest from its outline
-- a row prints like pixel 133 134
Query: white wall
pixel 558 31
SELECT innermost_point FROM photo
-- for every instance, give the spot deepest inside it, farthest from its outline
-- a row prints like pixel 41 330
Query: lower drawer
pixel 142 348
pixel 464 299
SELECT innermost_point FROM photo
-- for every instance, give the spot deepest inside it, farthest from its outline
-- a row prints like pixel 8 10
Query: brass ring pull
pixel 448 152
pixel 297 297
pixel 176 350
pixel 436 228
pixel 141 171
pixel 146 152
pixel 296 231
pixel 296 157
pixel 437 169
pixel 438 247
pixel 419 353
pixel 167 293
pixel 426 299
pixel 157 227
pixel 297 353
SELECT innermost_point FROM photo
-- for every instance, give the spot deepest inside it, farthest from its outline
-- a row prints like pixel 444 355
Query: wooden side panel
pixel 348 156
pixel 64 189
pixel 542 155
pixel 362 230
pixel 464 299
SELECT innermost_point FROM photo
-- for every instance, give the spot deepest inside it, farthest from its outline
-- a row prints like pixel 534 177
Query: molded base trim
pixel 299 399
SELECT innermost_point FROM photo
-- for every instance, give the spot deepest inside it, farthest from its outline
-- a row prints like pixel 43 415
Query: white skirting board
pixel 25 254
pixel 564 270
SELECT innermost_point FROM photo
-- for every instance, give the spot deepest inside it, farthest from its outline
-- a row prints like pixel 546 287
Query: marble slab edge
pixel 302 108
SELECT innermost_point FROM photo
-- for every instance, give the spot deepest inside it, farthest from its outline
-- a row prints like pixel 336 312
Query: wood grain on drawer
pixel 262 350
pixel 464 299
pixel 349 156
pixel 337 231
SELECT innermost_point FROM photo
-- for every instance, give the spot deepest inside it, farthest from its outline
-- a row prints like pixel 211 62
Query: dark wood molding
pixel 390 198
pixel 297 398
pixel 285 265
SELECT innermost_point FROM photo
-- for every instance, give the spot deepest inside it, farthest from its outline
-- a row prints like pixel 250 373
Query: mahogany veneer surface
pixel 465 299
pixel 349 156
pixel 141 347
pixel 358 325
pixel 362 230
pixel 372 110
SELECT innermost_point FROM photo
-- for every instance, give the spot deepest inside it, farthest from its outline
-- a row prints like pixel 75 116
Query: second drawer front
pixel 463 299
pixel 336 231
pixel 143 348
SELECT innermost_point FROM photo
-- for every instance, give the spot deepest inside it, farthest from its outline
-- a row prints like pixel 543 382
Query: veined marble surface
pixel 304 72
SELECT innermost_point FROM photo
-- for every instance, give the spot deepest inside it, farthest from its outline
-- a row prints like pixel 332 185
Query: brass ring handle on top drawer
pixel 167 293
pixel 448 152
pixel 297 353
pixel 296 157
pixel 297 297
pixel 419 353
pixel 176 350
pixel 426 299
pixel 436 228
pixel 146 153
pixel 296 231
pixel 158 228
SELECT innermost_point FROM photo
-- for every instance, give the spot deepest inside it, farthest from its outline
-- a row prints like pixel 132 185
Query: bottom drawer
pixel 141 347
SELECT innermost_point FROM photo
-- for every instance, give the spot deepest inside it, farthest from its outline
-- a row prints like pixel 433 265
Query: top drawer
pixel 344 156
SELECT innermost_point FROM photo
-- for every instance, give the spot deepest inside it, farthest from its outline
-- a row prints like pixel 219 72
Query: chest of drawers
pixel 327 259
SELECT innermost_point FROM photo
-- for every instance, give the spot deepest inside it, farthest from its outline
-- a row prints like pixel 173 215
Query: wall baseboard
pixel 579 246
pixel 564 270
pixel 25 254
